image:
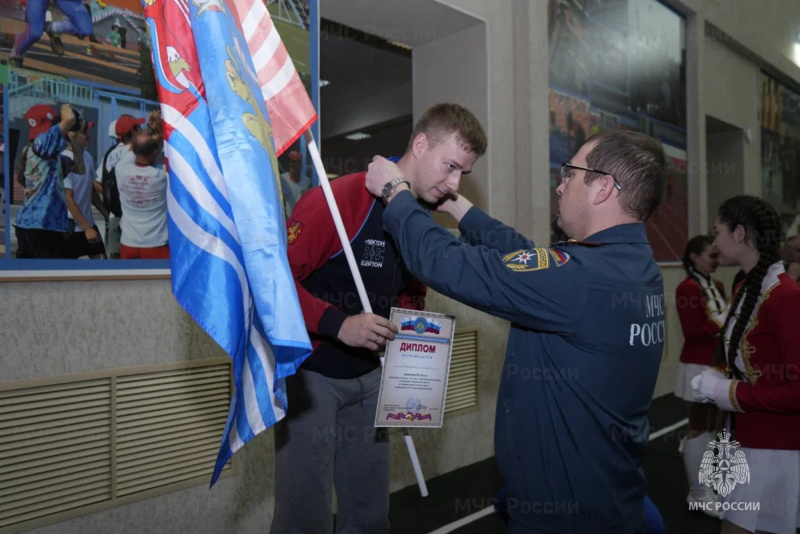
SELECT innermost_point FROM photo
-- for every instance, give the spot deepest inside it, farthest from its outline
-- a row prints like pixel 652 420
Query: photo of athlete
pixel 78 23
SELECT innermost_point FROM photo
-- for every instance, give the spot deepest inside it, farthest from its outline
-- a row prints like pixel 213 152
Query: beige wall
pixel 732 92
pixel 763 30
pixel 725 169
pixel 62 328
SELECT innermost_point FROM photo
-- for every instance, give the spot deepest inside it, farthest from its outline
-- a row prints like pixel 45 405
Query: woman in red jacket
pixel 702 309
pixel 760 386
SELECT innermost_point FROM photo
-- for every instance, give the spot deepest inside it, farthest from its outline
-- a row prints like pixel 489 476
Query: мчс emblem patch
pixel 527 260
pixel 294 232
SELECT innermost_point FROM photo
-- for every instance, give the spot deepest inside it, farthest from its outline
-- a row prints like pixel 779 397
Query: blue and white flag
pixel 227 233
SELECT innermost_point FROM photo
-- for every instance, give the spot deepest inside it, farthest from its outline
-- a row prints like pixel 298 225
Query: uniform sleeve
pixel 477 228
pixel 49 144
pixel 312 240
pixel 536 288
pixel 782 397
pixel 692 312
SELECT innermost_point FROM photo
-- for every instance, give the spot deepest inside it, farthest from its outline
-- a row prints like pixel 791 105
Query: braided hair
pixel 763 229
pixel 696 245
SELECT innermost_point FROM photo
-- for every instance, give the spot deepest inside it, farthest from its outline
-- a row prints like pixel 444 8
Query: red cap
pixel 126 123
pixel 40 119
pixel 295 155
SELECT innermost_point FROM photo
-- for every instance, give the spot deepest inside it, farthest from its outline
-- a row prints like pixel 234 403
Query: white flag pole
pixel 362 292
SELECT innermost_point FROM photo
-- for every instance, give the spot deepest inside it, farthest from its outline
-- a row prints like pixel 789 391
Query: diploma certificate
pixel 415 370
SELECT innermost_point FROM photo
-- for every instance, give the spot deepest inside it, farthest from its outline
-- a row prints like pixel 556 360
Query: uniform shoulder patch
pixel 527 260
pixel 559 256
pixel 294 231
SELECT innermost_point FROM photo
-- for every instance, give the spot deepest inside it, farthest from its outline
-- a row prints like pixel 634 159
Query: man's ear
pixel 605 191
pixel 419 145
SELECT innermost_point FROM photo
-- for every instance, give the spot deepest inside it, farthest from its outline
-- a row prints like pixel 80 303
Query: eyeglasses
pixel 565 173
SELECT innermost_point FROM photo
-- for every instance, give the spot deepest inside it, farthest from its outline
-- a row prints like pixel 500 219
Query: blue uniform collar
pixel 622 233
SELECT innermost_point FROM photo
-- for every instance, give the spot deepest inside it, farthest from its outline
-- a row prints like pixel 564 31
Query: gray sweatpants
pixel 328 438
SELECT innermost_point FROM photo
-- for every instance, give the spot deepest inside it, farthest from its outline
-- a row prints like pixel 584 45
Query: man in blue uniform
pixel 587 329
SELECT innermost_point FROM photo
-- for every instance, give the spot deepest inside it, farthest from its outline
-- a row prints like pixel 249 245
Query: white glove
pixel 712 386
pixel 698 396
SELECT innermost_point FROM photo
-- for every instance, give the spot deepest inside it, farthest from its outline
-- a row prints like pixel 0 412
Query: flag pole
pixel 362 292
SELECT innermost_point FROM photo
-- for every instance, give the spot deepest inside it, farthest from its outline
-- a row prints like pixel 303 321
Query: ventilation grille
pixel 86 444
pixel 462 385
pixel 55 449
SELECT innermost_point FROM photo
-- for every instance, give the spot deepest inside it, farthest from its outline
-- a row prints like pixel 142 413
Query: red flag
pixel 290 110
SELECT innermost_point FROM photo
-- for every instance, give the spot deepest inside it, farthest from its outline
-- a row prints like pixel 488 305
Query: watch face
pixel 387 189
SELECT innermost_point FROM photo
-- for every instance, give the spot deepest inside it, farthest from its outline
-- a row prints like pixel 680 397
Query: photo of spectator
pixel 143 195
pixel 83 236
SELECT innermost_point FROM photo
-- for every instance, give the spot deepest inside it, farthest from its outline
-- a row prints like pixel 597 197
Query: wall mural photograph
pixel 620 64
pixel 89 62
pixel 780 150
pixel 84 67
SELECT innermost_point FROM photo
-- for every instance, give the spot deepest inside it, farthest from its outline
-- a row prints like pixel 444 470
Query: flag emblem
pixel 559 256
pixel 420 325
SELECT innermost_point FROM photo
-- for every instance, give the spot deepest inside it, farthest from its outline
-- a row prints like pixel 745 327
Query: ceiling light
pixel 358 136
pixel 323 83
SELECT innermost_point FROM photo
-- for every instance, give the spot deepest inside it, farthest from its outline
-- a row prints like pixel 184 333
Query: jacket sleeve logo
pixel 534 260
pixel 294 232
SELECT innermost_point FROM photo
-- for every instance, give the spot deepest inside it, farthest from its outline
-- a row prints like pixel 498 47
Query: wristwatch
pixel 389 188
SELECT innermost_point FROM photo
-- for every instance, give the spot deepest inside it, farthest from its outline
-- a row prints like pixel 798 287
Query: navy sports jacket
pixel 324 284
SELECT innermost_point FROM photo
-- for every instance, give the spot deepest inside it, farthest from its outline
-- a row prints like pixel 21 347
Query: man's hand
pixel 379 173
pixel 92 236
pixel 77 144
pixel 454 205
pixel 156 125
pixel 367 330
pixel 67 118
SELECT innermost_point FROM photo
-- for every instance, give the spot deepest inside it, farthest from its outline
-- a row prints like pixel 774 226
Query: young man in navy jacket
pixel 328 436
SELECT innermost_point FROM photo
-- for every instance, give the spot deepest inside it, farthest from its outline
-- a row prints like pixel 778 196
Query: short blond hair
pixel 444 119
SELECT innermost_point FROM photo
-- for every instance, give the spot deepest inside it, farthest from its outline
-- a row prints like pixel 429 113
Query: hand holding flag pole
pixel 362 292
